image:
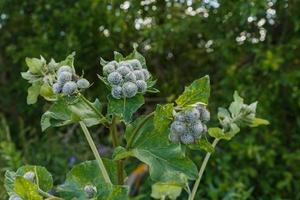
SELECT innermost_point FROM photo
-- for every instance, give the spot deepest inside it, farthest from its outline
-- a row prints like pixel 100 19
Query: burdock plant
pixel 160 139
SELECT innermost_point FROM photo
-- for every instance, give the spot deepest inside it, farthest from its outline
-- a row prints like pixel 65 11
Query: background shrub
pixel 251 46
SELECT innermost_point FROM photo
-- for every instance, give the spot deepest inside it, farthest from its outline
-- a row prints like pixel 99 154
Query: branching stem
pixel 201 171
pixel 96 153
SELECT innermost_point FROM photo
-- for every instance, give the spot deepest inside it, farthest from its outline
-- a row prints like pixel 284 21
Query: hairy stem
pixel 201 171
pixel 95 152
pixel 136 131
pixel 114 135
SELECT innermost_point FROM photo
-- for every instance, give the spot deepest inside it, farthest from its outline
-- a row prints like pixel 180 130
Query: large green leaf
pixel 166 161
pixel 198 91
pixel 88 173
pixel 125 108
pixel 42 177
pixel 26 189
pixel 162 190
pixel 67 111
pixel 163 116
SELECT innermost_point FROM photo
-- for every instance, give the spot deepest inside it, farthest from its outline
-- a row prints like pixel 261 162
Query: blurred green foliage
pixel 251 46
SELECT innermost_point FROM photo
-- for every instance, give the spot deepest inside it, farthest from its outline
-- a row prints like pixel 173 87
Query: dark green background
pixel 260 163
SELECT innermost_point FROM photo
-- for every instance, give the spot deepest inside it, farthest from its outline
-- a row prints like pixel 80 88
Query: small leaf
pixel 258 121
pixel 163 116
pixel 121 153
pixel 103 62
pixel 136 55
pixel 218 133
pixel 125 107
pixel 30 77
pixel 69 60
pixel 235 107
pixel 202 144
pixel 161 190
pixel 26 189
pixel 35 65
pixel 223 113
pixel 198 91
pixel 104 80
pixel 9 182
pixel 118 56
pixel 33 93
pixel 42 176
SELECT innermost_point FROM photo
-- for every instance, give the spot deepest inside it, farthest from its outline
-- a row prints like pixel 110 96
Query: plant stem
pixel 47 195
pixel 201 171
pixel 114 135
pixel 95 152
pixel 136 131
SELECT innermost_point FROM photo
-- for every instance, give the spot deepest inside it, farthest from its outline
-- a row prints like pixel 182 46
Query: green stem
pixel 95 152
pixel 114 135
pixel 47 195
pixel 201 171
pixel 89 104
pixel 136 131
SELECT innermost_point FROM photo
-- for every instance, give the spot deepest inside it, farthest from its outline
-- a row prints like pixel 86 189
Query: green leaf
pixel 88 173
pixel 162 190
pixel 35 65
pixel 26 189
pixel 125 107
pixel 223 113
pixel 33 92
pixel 202 144
pixel 85 113
pixel 69 60
pixel 236 105
pixel 198 91
pixel 121 153
pixel 57 115
pixel 30 77
pixel 42 176
pixel 218 133
pixel 9 182
pixel 136 55
pixel 258 121
pixel 166 161
pixel 103 62
pixel 118 56
pixel 163 116
pixel 67 111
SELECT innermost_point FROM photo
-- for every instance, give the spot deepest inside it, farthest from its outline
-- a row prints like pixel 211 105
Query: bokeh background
pixel 250 46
